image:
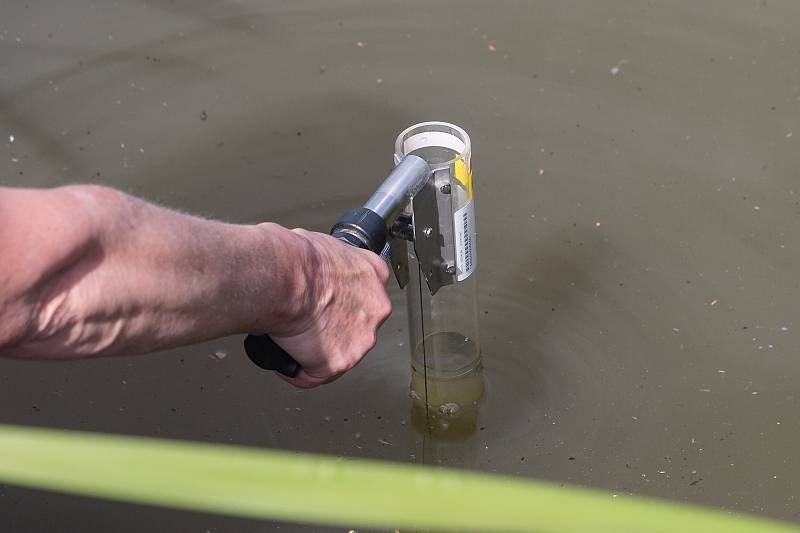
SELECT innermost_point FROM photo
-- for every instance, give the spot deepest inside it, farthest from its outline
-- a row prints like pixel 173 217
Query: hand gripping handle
pixel 361 228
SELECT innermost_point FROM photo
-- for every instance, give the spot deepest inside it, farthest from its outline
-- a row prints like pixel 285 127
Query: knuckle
pixel 302 381
pixel 382 308
pixel 372 340
pixel 383 271
pixel 337 365
pixel 366 341
pixel 386 309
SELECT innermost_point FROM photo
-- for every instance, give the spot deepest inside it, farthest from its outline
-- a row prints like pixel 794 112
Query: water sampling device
pixel 421 219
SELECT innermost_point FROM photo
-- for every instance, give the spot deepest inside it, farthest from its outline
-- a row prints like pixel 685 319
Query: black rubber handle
pixel 266 354
pixel 361 228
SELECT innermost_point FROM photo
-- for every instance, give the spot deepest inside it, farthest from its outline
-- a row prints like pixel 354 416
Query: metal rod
pixel 405 180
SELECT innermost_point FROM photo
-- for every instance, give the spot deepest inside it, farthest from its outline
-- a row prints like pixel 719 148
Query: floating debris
pixel 491 46
pixel 449 409
pixel 11 138
pixel 616 69
pixel 541 172
pixel 360 44
pixel 218 355
pixel 713 302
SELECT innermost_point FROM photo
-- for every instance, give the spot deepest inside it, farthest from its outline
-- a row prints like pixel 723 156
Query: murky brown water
pixel 638 209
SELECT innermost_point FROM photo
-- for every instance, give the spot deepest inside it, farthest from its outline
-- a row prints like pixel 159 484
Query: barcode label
pixel 464 225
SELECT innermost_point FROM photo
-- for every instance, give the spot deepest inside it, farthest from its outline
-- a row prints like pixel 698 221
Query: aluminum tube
pixel 405 180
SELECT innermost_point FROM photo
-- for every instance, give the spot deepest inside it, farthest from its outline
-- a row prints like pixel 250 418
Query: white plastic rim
pixel 434 133
pixel 433 138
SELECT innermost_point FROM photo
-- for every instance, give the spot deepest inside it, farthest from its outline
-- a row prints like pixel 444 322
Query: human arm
pixel 91 271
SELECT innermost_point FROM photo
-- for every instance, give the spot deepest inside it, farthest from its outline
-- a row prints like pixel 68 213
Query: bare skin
pixel 89 271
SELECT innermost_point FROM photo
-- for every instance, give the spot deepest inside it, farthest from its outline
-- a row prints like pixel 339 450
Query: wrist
pixel 286 262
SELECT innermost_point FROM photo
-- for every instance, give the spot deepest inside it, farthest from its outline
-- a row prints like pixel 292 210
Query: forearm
pixel 133 277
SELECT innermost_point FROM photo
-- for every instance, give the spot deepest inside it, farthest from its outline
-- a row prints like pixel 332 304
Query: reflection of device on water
pixel 447 376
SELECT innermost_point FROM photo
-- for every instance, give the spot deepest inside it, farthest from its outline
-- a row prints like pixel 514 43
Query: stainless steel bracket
pixel 398 260
pixel 433 236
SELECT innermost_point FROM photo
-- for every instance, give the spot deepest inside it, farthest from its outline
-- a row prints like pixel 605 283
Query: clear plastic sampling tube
pixel 443 327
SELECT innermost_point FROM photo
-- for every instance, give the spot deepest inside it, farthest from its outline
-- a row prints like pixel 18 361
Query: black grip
pixel 266 354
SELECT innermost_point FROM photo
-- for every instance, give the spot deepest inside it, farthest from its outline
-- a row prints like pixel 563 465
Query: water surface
pixel 637 209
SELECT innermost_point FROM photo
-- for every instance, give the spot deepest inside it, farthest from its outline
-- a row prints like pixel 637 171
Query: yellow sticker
pixel 464 175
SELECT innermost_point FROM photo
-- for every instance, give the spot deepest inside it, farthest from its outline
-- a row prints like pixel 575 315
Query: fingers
pixel 340 358
pixel 305 380
pixel 302 380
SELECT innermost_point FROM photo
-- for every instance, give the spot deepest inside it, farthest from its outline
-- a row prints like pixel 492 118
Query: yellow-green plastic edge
pixel 315 489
